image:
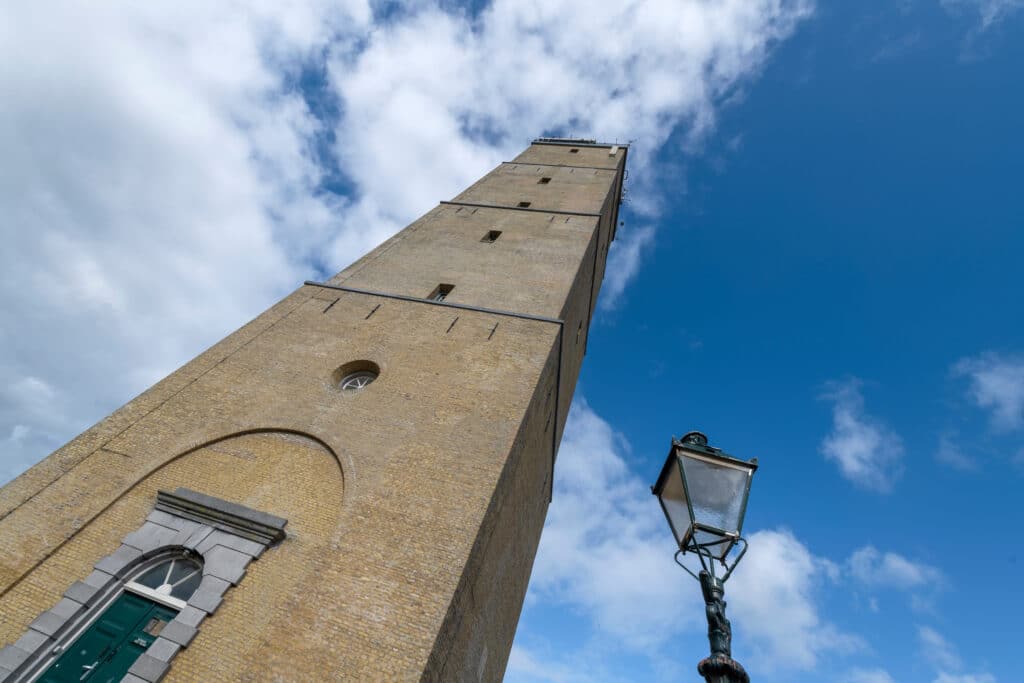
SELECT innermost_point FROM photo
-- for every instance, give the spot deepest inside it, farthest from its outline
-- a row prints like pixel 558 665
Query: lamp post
pixel 703 493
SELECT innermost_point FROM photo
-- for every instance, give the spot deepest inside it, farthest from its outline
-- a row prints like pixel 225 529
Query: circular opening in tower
pixel 356 375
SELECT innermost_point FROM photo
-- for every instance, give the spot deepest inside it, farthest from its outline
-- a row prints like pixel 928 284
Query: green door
pixel 109 647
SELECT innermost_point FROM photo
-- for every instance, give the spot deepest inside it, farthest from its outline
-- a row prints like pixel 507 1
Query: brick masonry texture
pixel 414 506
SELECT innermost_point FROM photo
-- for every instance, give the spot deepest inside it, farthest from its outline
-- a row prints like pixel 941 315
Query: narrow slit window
pixel 491 236
pixel 524 205
pixel 544 181
pixel 441 292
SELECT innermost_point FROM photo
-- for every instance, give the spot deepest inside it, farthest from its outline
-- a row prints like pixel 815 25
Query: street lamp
pixel 703 493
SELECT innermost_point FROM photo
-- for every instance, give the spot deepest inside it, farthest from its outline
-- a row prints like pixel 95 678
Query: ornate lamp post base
pixel 719 668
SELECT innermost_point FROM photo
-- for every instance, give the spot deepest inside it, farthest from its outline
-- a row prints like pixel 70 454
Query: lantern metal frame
pixel 696 444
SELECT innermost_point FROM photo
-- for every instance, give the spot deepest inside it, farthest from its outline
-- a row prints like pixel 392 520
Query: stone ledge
pixel 225 563
pixel 12 657
pixel 81 592
pixel 117 562
pixel 150 537
pixel 149 668
pixel 163 649
pixel 190 616
pixel 98 579
pixel 48 623
pixel 223 538
pixel 231 517
pixel 180 633
pixel 32 641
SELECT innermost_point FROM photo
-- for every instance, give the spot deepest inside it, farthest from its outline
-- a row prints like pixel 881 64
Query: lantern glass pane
pixel 673 498
pixel 717 491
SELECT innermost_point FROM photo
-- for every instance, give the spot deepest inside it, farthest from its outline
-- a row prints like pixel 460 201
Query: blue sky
pixel 837 271
pixel 819 268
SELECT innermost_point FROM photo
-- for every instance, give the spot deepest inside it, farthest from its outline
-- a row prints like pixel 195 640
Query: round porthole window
pixel 356 375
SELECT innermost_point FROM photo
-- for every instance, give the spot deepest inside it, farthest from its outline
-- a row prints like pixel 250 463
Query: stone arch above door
pixel 285 474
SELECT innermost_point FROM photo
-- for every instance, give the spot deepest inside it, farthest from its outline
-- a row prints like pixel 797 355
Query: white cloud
pixel 867 676
pixel 34 411
pixel 945 677
pixel 950 454
pixel 485 86
pixel 606 547
pixel 547 664
pixel 156 187
pixel 773 595
pixel 623 263
pixel 937 650
pixel 867 453
pixel 523 665
pixel 162 173
pixel 873 568
pixel 996 383
pixel 990 12
pixel 943 656
pixel 606 551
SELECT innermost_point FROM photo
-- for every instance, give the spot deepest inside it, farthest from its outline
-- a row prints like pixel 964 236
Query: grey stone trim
pixel 118 561
pixel 228 536
pixel 48 623
pixel 212 585
pixel 242 545
pixel 209 594
pixel 190 616
pixel 225 563
pixel 150 537
pixel 52 621
pixel 81 592
pixel 163 649
pixel 222 538
pixel 218 538
pixel 196 538
pixel 67 608
pixel 149 669
pixel 172 521
pixel 178 632
pixel 32 641
pixel 98 579
pixel 11 657
pixel 221 514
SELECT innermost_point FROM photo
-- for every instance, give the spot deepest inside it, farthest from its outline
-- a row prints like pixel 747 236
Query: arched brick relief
pixel 283 473
pixel 98 482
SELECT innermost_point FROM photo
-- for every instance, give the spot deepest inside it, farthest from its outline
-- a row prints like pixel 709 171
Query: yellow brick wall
pixel 597 157
pixel 572 189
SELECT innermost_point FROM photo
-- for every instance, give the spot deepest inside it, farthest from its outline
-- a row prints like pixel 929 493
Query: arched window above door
pixel 172 580
pixel 145 601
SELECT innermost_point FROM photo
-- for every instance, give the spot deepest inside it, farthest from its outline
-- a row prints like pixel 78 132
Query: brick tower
pixel 351 486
